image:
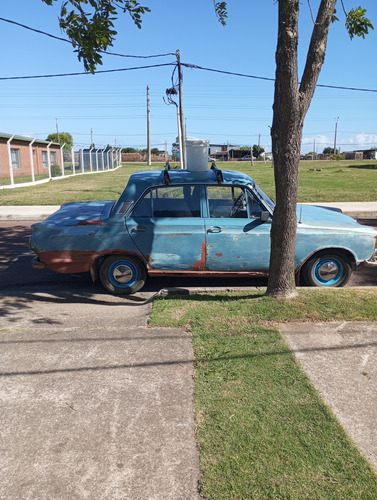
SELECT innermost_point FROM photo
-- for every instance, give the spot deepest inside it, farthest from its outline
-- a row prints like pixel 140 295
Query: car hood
pixel 82 213
pixel 327 218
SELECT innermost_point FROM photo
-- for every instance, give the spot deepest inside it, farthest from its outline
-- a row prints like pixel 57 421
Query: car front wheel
pixel 122 275
pixel 327 269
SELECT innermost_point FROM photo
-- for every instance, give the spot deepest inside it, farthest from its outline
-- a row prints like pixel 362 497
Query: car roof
pixel 140 181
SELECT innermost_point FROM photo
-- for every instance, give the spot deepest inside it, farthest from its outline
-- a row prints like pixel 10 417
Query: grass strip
pixel 263 430
pixel 319 181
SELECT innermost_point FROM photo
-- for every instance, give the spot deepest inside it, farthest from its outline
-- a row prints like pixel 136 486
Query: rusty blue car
pixel 194 223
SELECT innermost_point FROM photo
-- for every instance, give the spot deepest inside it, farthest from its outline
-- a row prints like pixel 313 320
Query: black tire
pixel 329 268
pixel 122 275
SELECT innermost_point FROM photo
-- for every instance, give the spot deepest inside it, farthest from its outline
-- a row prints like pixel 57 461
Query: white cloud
pixel 367 140
pixel 319 139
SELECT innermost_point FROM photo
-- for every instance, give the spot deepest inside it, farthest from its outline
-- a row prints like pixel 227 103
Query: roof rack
pixel 166 180
pixel 218 173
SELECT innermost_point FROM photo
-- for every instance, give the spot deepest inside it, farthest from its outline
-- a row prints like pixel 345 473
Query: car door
pixel 167 227
pixel 236 237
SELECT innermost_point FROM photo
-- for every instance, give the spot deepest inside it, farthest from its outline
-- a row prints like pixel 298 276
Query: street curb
pixel 27 213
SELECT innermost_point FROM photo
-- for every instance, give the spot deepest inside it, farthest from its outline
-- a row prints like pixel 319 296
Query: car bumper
pixel 372 262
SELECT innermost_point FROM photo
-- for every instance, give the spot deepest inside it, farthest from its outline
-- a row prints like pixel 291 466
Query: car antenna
pixel 300 221
pixel 218 172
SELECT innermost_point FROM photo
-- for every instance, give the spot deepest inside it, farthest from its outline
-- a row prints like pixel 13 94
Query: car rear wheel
pixel 122 275
pixel 330 268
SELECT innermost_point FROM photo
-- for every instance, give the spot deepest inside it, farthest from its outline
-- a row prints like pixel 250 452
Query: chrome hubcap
pixel 123 273
pixel 328 271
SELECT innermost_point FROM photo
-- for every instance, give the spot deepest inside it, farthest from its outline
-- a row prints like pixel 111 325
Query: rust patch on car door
pixel 200 265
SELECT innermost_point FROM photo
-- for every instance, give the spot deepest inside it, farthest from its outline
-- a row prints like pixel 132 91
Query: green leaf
pixel 221 12
pixel 357 24
pixel 334 18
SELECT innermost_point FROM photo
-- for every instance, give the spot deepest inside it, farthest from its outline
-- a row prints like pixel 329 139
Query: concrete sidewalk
pixel 341 361
pixel 357 210
pixel 95 405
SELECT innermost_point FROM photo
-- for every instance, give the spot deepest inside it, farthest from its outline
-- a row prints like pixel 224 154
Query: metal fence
pixel 73 161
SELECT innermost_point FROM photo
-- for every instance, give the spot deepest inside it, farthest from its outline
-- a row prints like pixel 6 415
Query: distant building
pixel 24 156
pixel 362 154
pixel 224 152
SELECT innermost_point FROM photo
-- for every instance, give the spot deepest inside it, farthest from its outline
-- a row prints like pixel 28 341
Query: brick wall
pixel 22 150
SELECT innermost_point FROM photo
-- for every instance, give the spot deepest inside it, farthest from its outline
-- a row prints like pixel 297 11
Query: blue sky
pixel 218 107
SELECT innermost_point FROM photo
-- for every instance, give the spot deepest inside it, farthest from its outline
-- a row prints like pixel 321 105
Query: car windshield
pixel 270 204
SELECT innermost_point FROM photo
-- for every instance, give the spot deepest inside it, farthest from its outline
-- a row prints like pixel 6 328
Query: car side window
pixel 144 207
pixel 227 202
pixel 170 201
pixel 255 206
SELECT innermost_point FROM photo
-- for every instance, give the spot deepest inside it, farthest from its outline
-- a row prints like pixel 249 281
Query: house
pixel 353 155
pixel 24 156
pixel 361 154
pixel 223 152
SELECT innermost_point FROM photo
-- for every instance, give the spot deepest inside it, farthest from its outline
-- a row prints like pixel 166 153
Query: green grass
pixel 102 186
pixel 263 431
pixel 336 181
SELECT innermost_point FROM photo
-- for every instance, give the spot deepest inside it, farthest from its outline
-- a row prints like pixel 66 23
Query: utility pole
pixel 182 145
pixel 313 150
pixel 91 137
pixel 336 130
pixel 148 129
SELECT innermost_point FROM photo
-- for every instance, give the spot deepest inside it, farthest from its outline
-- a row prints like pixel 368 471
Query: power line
pixel 85 72
pixel 35 30
pixel 68 41
pixel 193 66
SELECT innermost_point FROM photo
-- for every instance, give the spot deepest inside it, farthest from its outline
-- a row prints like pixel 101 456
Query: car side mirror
pixel 264 216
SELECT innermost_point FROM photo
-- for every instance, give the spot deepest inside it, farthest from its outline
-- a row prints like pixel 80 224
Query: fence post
pixel 82 160
pixel 97 159
pixel 73 160
pixel 49 160
pixel 31 160
pixel 90 159
pixel 10 161
pixel 62 158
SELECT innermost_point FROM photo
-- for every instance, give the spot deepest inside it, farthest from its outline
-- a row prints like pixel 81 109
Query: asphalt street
pixel 16 270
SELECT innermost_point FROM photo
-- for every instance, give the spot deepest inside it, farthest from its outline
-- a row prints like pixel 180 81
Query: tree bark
pixel 286 135
pixel 291 104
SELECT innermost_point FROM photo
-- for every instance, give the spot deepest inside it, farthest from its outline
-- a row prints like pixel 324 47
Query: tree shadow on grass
pixel 364 167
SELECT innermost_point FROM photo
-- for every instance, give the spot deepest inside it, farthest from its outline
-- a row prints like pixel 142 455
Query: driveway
pixel 95 405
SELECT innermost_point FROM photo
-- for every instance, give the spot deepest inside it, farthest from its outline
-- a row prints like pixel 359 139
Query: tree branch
pixel 316 54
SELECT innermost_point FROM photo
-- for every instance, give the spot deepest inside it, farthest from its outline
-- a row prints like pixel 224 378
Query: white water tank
pixel 197 154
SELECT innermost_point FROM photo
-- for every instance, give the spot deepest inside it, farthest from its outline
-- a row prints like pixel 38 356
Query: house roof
pixel 26 139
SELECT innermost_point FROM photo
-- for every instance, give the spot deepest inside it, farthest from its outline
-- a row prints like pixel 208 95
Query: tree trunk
pixel 286 135
pixel 291 104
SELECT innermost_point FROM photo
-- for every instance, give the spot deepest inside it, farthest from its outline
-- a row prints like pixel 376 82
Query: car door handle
pixel 214 229
pixel 138 229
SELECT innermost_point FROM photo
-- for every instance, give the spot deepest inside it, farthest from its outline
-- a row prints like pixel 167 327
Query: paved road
pixel 16 270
